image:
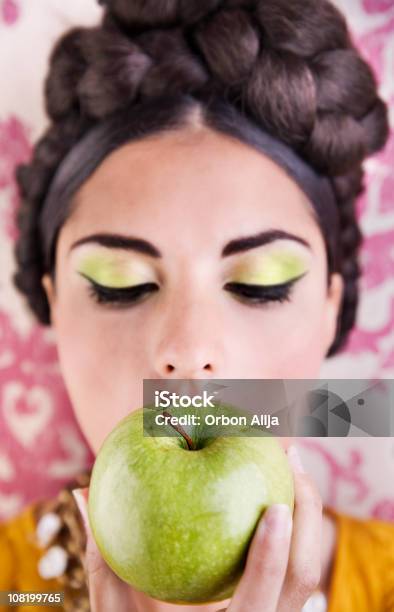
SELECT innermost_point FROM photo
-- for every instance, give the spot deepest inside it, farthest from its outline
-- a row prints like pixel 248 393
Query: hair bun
pixel 230 44
pixel 151 13
pixel 303 27
pixel 175 68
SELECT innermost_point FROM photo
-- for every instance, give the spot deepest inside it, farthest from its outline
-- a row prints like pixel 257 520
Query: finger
pixel 261 583
pixel 106 590
pixel 304 568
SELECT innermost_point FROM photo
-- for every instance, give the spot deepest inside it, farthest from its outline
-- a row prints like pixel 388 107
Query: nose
pixel 188 343
pixel 178 371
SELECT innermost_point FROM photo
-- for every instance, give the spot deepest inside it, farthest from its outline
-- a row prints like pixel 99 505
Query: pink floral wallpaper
pixel 41 446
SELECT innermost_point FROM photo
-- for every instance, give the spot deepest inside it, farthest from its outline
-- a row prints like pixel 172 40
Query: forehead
pixel 195 181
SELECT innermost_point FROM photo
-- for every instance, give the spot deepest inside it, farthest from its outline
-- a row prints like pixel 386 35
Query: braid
pixel 351 238
pixel 71 537
pixel 347 188
pixel 291 67
pixel 33 180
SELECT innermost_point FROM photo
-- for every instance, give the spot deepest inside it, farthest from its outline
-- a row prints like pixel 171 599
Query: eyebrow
pixel 117 241
pixel 238 245
pixel 250 242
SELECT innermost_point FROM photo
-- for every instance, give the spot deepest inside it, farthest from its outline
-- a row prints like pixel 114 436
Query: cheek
pixel 300 355
pixel 101 365
pixel 287 340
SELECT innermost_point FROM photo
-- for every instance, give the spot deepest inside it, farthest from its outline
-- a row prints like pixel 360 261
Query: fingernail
pixel 277 520
pixel 81 503
pixel 295 459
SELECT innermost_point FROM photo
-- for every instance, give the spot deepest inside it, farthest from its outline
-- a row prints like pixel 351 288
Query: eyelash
pixel 121 296
pixel 254 294
pixel 258 294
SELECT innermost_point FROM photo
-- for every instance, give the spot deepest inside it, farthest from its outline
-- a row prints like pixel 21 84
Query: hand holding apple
pixel 276 577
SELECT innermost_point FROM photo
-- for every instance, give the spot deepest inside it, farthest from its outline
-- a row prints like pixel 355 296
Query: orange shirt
pixel 362 578
pixel 19 558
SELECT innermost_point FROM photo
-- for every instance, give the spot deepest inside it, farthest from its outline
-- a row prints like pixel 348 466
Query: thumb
pixel 93 561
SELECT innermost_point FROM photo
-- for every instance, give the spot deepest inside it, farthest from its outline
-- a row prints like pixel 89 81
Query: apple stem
pixel 180 430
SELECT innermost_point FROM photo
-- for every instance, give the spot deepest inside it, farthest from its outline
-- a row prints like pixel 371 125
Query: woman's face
pixel 195 207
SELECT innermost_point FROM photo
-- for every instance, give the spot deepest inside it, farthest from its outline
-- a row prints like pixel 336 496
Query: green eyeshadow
pixel 113 271
pixel 270 269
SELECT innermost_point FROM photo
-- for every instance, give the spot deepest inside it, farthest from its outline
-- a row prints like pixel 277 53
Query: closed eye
pixel 119 296
pixel 261 294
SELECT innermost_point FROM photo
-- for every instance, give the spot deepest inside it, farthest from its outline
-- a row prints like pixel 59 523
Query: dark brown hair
pixel 290 67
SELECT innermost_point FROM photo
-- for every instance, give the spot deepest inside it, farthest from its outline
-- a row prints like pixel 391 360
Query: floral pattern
pixel 10 11
pixel 41 445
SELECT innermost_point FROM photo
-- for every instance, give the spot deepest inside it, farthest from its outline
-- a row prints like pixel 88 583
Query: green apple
pixel 174 516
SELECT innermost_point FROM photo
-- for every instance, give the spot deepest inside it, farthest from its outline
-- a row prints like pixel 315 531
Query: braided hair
pixel 289 66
